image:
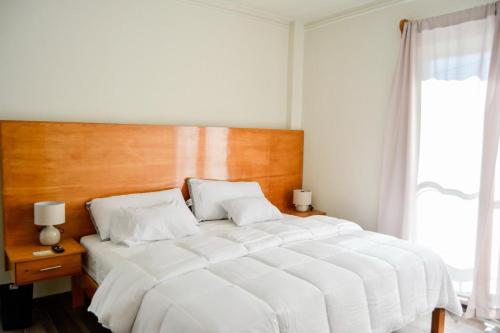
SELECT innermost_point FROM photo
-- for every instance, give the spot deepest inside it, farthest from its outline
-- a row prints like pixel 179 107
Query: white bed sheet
pixel 102 256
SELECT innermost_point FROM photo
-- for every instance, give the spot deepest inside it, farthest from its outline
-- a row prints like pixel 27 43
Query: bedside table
pixel 291 211
pixel 28 268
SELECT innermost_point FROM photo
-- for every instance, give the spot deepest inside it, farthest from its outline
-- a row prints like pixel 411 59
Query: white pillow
pixel 244 211
pixel 132 226
pixel 101 209
pixel 207 196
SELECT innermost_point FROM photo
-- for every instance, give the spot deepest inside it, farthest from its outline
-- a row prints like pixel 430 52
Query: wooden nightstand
pixel 291 211
pixel 28 268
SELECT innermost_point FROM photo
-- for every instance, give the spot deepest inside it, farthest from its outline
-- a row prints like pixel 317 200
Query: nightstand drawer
pixel 36 270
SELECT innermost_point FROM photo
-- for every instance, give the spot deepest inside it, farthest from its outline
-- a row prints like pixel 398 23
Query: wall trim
pixel 283 21
pixel 355 11
pixel 295 75
pixel 241 10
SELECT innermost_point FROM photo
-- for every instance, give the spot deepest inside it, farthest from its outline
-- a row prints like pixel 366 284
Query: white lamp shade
pixel 302 197
pixel 49 213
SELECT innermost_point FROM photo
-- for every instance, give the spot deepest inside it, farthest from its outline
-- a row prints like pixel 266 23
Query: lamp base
pixel 302 208
pixel 50 235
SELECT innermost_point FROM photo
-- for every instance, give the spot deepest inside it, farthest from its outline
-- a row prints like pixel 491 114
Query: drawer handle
pixel 52 268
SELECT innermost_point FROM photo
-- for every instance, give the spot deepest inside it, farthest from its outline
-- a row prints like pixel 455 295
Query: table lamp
pixel 302 200
pixel 49 214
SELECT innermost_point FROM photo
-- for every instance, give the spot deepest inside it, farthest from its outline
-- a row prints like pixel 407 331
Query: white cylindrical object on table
pixel 49 213
pixel 302 199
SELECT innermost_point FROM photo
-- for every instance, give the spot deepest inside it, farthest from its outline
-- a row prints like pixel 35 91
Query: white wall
pixel 140 61
pixel 348 72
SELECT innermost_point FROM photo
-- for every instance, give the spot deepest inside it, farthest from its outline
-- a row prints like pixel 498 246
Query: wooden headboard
pixel 76 162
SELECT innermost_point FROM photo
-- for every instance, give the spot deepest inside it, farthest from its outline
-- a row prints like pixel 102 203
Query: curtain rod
pixel 402 24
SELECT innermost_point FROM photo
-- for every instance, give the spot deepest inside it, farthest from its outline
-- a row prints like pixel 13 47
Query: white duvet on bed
pixel 102 256
pixel 318 274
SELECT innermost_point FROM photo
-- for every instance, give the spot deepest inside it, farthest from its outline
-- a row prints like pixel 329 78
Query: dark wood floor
pixel 54 314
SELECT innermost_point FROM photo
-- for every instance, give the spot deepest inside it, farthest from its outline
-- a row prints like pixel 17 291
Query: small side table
pixel 291 211
pixel 28 268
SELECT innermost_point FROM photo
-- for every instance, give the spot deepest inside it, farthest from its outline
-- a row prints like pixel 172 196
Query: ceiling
pixel 306 10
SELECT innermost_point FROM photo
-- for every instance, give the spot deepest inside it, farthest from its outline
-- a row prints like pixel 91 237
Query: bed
pixel 318 274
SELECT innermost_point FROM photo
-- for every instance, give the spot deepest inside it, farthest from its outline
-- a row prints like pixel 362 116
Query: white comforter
pixel 318 274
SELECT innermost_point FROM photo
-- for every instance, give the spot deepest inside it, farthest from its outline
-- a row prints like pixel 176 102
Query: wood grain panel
pixel 76 162
pixel 24 253
pixel 282 162
pixel 37 270
pixel 280 189
pixel 438 319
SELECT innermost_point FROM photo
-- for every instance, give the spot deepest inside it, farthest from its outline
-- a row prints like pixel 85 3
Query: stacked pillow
pixel 136 218
pixel 242 202
pixel 132 226
pixel 248 210
pixel 145 217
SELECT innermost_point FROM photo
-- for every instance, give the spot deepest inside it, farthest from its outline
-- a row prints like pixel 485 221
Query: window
pixel 453 89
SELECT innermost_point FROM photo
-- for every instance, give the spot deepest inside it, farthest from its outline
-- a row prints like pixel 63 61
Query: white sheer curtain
pixel 441 148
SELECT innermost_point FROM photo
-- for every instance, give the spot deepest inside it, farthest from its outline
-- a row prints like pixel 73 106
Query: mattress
pixel 102 256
